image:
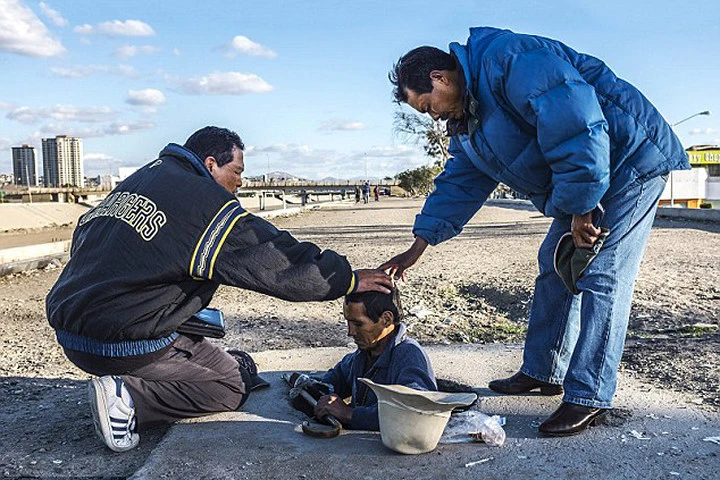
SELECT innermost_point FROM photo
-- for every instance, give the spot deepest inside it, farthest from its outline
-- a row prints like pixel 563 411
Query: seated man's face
pixel 363 330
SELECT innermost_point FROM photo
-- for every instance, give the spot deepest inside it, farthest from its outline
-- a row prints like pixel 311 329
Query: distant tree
pixel 419 181
pixel 424 130
pixel 432 135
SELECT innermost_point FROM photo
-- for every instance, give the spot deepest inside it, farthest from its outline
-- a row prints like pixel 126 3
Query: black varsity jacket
pixel 154 252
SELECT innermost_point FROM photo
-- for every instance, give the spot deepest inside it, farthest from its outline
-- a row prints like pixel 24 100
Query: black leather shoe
pixel 521 383
pixel 571 419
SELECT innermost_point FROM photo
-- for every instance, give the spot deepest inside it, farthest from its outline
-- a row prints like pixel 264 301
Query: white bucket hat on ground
pixel 412 421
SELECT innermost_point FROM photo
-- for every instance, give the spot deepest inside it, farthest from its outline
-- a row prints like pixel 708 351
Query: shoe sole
pixel 591 423
pixel 103 429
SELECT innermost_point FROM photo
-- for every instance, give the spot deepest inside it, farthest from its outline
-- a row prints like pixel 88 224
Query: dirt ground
pixel 475 288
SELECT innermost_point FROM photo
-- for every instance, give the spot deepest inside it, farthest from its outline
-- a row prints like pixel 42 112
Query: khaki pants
pixel 189 378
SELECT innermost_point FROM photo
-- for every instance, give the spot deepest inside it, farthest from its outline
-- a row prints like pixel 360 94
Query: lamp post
pixel 672 193
pixel 706 112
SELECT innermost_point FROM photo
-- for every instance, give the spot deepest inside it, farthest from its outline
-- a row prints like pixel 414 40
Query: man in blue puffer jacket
pixel 560 127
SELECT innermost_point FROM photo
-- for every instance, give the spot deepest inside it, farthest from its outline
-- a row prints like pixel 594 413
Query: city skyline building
pixel 63 161
pixel 25 166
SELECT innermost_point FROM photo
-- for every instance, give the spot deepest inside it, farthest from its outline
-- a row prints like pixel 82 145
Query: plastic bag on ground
pixel 474 426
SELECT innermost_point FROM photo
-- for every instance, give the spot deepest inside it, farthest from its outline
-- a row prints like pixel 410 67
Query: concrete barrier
pixel 30 257
pixel 694 214
pixel 691 214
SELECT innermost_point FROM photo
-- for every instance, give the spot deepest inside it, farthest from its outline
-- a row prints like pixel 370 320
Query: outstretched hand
pixel 397 265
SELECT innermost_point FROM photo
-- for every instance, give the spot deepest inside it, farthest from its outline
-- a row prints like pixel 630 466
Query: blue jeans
pixel 578 340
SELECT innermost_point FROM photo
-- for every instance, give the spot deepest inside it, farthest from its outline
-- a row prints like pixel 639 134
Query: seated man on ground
pixel 385 355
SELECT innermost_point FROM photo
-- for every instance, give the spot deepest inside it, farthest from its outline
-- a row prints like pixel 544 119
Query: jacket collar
pixel 179 152
pixel 480 39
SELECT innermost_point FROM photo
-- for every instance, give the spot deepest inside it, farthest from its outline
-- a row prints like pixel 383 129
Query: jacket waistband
pixel 103 348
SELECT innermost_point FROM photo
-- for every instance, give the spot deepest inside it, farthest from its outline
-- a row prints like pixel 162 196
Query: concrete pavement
pixel 264 440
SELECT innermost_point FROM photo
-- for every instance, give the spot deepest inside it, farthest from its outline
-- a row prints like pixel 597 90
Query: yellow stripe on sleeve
pixel 202 237
pixel 352 284
pixel 222 240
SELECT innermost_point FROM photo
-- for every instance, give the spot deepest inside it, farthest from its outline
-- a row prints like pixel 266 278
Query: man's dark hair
pixel 376 303
pixel 214 142
pixel 413 69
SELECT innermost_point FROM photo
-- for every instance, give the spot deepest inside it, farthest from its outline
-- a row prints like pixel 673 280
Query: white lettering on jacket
pixel 138 211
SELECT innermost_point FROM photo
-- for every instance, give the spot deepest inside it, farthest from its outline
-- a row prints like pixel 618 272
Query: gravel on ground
pixel 476 288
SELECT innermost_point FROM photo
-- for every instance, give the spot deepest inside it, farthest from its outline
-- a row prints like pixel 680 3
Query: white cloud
pixel 704 131
pixel 131 50
pixel 97 157
pixel 243 45
pixel 392 151
pixel 53 15
pixel 225 83
pixel 22 32
pixel 81 71
pixel 341 125
pixel 147 97
pixel 115 128
pixel 54 129
pixel 6 106
pixel 70 113
pixel 117 28
pixel 293 149
pixel 124 128
pixel 176 52
pixel 84 29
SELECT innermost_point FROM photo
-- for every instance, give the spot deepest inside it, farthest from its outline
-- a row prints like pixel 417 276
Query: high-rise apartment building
pixel 63 161
pixel 25 166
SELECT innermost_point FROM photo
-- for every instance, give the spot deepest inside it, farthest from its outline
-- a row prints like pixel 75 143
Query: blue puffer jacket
pixel 549 122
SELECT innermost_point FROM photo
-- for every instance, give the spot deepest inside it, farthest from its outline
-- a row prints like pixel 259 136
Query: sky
pixel 304 83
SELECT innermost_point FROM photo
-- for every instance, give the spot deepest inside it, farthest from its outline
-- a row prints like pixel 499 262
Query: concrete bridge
pixel 287 191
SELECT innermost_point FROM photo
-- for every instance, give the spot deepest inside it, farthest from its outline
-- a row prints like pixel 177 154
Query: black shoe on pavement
pixel 521 383
pixel 571 419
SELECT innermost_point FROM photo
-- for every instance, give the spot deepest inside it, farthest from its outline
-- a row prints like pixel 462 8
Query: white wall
pixel 687 185
pixel 713 188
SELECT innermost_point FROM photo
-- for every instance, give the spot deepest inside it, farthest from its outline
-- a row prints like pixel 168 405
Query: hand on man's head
pixel 372 280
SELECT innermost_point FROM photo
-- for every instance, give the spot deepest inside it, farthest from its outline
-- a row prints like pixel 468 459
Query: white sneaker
pixel 113 413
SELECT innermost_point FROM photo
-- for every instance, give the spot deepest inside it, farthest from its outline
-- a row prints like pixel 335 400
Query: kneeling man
pixel 385 355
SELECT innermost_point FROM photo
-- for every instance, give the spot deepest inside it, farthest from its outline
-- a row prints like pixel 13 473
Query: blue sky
pixel 304 83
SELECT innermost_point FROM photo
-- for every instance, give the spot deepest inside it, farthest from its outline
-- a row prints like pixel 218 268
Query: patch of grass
pixel 446 291
pixel 503 331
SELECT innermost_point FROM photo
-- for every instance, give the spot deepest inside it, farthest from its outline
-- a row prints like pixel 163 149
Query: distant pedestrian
pixel 357 194
pixel 366 192
pixel 376 191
